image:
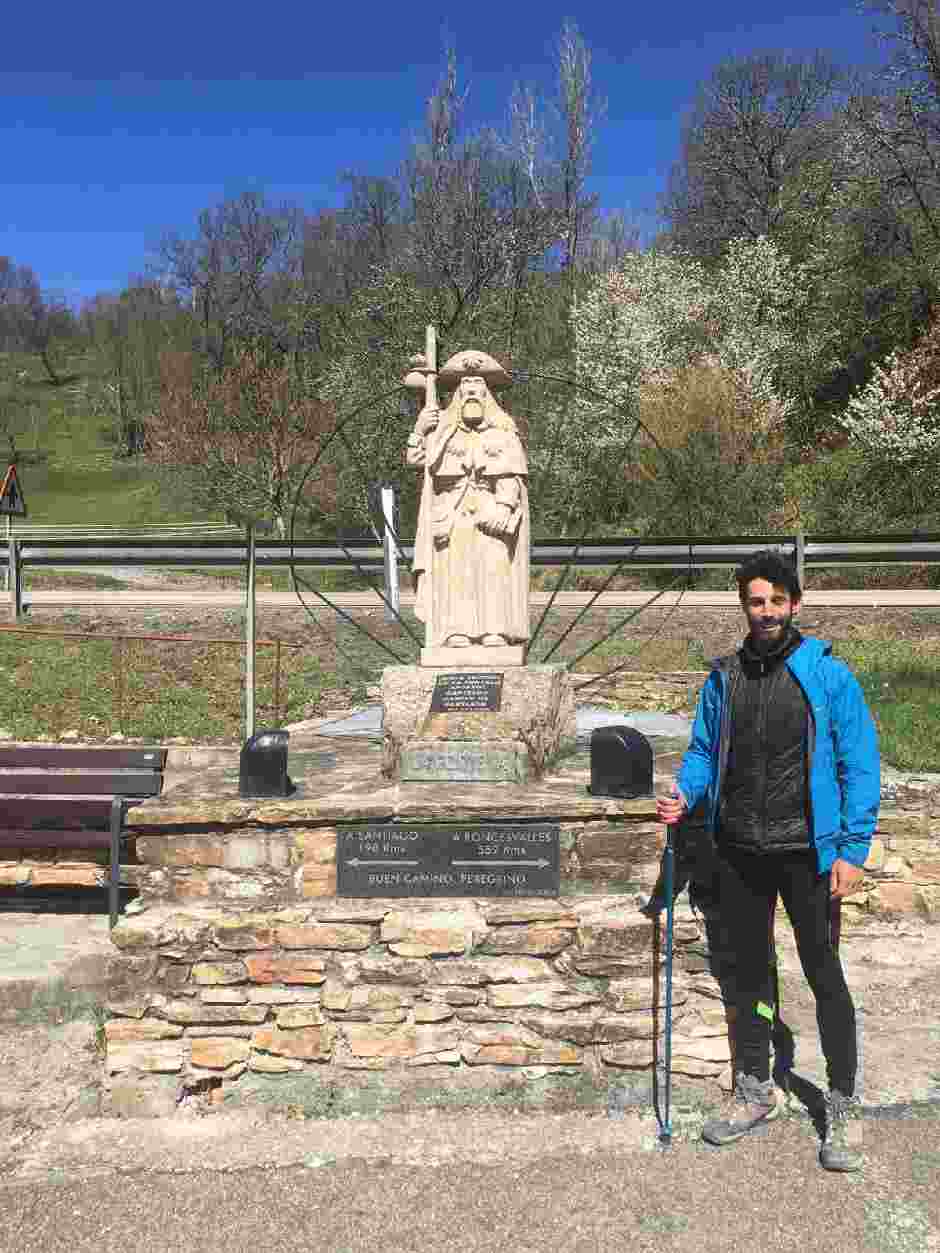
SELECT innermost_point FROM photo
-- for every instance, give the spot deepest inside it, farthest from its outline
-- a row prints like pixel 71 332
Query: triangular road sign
pixel 11 495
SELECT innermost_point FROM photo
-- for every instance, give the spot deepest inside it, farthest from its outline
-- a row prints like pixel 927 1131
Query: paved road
pixel 907 598
pixel 766 1193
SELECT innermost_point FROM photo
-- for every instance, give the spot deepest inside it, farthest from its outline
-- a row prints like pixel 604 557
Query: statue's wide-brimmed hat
pixel 476 364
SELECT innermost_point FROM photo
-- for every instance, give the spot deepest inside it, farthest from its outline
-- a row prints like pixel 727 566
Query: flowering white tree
pixel 895 417
pixel 713 361
pixel 660 313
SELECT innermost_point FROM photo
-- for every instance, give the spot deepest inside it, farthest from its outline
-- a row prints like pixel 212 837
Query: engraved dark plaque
pixel 492 859
pixel 466 691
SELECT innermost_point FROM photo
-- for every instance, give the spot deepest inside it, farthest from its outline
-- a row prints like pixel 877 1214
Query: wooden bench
pixel 54 797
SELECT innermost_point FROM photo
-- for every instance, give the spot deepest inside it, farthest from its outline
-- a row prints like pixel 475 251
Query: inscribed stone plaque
pixel 466 691
pixel 463 761
pixel 491 859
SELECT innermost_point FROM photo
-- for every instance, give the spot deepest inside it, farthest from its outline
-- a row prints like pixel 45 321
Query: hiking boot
pixel 752 1104
pixel 841 1146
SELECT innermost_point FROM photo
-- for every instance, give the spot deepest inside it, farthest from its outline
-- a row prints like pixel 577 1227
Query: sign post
pixel 12 504
pixel 390 551
pixel 250 637
pixel 252 524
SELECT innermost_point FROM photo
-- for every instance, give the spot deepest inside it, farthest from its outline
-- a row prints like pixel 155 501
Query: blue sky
pixel 120 122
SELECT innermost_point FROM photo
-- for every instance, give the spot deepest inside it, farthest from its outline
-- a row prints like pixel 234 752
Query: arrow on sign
pixel 11 495
pixel 541 864
pixel 358 861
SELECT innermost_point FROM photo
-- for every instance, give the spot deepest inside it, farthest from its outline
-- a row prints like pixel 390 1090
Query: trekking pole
pixel 782 1062
pixel 669 856
pixel 835 923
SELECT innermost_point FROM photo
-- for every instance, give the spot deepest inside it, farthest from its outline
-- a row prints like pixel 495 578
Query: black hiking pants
pixel 740 939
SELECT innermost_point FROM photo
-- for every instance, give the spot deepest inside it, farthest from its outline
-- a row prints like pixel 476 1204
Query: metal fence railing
pixel 24 551
pixel 131 655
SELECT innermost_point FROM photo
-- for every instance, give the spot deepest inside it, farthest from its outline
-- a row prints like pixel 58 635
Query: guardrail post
pixel 799 556
pixel 119 682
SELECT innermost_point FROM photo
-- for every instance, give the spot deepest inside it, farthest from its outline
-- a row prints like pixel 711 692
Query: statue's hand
pixel 427 421
pixel 499 519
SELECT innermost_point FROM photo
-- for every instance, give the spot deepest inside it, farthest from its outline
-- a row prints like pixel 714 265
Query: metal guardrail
pixel 105 531
pixel 668 552
pixel 674 552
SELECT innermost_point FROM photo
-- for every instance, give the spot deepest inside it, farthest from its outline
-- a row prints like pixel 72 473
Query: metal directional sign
pixel 11 494
pixel 492 859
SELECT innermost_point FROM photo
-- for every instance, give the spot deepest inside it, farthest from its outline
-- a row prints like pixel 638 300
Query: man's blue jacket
pixel 844 766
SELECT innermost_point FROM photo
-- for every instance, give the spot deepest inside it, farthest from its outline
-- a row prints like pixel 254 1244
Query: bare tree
pixel 242 259
pixel 914 43
pixel 580 109
pixel 528 139
pixel 898 119
pixel 373 216
pixel 756 124
pixel 554 144
pixel 473 212
pixel 242 439
pixel 128 334
pixel 341 251
pixel 31 319
pixel 610 238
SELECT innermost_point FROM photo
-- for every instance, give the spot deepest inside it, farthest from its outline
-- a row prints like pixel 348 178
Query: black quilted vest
pixel 765 794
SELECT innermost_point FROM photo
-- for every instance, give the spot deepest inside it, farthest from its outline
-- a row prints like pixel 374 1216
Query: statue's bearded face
pixel 473 394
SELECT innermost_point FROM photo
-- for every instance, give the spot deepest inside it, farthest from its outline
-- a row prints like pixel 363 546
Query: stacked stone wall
pixel 665 691
pixel 292 865
pixel 903 867
pixel 416 991
pixel 243 967
pixel 60 868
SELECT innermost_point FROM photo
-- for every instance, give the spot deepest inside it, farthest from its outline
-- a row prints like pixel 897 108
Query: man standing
pixel 784 755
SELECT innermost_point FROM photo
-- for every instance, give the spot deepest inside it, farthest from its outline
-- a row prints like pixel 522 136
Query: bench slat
pixel 89 782
pixel 52 756
pixel 36 838
pixel 22 812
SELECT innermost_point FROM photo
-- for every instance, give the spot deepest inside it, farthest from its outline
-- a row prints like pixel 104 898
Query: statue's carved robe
pixel 470 582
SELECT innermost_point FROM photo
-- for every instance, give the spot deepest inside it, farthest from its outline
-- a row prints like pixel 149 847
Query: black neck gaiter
pixel 757 661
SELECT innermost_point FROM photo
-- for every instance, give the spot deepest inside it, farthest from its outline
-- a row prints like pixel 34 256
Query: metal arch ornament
pixel 460 365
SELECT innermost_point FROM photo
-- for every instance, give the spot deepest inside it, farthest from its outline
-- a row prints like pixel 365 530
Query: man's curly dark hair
pixel 773 567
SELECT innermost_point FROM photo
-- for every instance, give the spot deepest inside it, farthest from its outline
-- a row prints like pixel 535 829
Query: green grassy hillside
pixel 68 467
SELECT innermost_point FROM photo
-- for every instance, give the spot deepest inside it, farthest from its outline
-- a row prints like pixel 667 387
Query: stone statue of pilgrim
pixel 471 558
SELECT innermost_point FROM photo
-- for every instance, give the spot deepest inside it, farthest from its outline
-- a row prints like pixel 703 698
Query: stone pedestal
pixel 517 742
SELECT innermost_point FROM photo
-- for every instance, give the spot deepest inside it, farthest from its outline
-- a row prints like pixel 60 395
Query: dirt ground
pixel 716 630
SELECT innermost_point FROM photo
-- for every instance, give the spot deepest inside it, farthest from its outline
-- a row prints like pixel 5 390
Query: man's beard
pixel 768 643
